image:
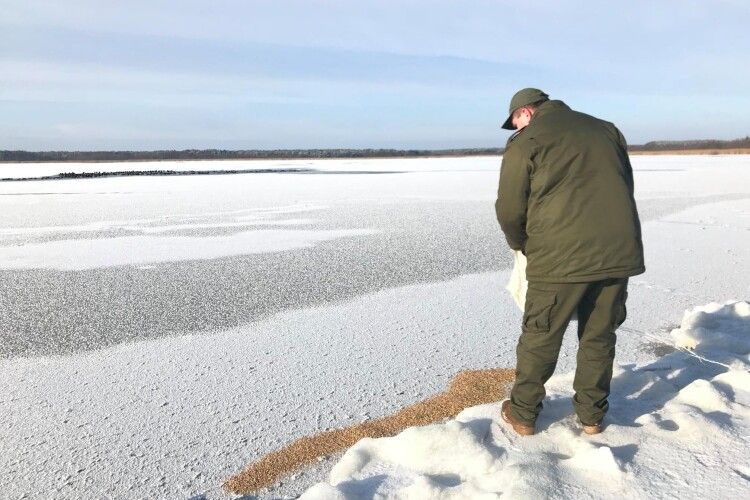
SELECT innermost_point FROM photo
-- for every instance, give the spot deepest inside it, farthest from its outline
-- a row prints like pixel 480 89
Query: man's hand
pixel 512 197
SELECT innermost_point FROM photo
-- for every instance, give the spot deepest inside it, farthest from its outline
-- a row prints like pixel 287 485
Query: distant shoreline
pixel 637 152
pixel 285 169
pixel 712 151
pixel 245 155
pixel 692 147
pixel 152 160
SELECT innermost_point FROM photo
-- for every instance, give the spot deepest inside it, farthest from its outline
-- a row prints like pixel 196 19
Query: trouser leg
pixel 600 312
pixel 547 313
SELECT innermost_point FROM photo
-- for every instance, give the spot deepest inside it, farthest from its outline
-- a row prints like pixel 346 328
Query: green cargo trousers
pixel 549 306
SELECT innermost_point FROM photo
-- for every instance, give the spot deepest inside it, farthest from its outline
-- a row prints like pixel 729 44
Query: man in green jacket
pixel 566 201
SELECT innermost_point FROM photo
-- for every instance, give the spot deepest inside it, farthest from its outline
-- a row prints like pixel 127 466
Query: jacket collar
pixel 549 106
pixel 544 108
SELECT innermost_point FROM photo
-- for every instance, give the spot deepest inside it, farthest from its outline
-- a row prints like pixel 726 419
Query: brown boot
pixel 522 429
pixel 592 429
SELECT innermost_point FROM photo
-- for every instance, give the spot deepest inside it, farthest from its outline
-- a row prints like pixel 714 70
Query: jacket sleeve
pixel 512 197
pixel 626 162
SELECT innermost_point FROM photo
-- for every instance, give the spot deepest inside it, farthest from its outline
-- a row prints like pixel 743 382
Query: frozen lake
pixel 221 316
pixel 95 262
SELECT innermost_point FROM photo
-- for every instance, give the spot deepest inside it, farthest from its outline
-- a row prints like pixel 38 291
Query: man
pixel 566 201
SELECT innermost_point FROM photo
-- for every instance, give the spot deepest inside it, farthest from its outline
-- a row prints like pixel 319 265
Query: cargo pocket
pixel 536 317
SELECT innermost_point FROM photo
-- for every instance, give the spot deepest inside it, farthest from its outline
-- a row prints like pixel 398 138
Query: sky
pixel 93 75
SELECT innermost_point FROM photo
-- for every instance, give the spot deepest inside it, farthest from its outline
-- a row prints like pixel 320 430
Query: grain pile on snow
pixel 468 388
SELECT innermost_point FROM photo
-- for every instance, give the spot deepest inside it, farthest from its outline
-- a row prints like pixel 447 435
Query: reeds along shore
pixel 715 151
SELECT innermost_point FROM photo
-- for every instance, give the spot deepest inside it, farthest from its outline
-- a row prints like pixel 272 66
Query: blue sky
pixel 321 74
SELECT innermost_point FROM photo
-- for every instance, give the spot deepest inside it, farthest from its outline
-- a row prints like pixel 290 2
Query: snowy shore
pixel 679 429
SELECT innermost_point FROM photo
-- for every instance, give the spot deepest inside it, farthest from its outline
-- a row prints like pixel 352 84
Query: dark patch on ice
pixel 657 348
pixel 162 173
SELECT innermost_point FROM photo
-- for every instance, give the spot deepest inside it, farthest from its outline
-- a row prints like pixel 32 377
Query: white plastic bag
pixel 517 283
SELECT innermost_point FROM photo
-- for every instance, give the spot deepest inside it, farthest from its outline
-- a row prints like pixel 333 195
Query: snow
pixel 78 254
pixel 678 416
pixel 175 414
pixel 148 227
pixel 704 328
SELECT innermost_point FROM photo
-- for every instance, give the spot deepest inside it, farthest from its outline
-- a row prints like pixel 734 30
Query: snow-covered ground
pixel 679 430
pixel 159 334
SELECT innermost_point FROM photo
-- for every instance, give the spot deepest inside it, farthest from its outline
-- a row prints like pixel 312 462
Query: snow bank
pixel 715 327
pixel 678 424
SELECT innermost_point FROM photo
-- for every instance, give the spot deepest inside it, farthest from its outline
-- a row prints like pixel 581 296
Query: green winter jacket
pixel 566 198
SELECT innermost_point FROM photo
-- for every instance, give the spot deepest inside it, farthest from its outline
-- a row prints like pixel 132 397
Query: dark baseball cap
pixel 522 98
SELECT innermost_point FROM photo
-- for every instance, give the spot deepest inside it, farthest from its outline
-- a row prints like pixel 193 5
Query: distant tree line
pixel 695 144
pixel 244 154
pixel 291 154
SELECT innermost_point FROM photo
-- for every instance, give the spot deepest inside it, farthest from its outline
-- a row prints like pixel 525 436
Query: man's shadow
pixel 638 391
